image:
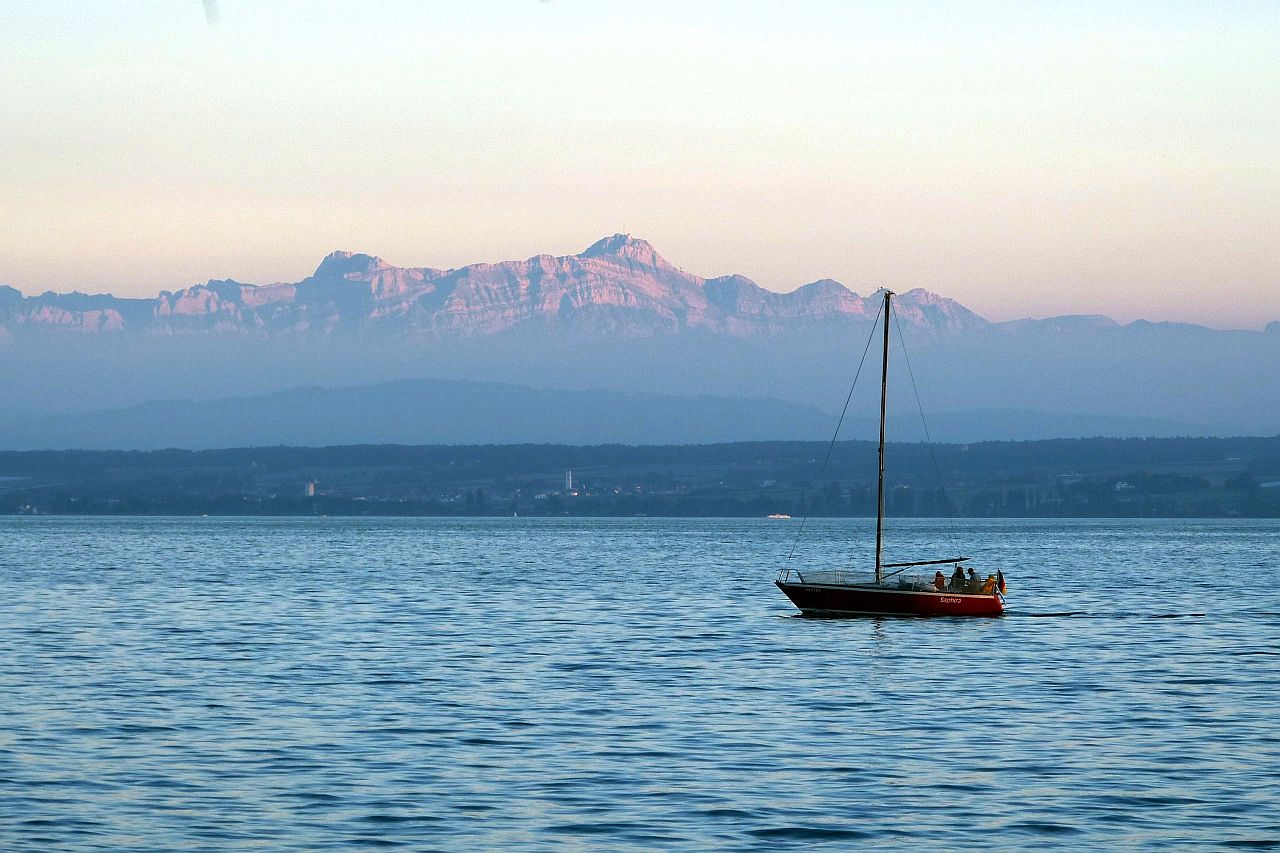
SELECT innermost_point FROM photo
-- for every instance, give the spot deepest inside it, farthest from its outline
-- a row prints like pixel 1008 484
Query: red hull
pixel 840 600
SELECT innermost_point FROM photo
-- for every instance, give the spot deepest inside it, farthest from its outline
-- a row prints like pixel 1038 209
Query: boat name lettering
pixel 946 600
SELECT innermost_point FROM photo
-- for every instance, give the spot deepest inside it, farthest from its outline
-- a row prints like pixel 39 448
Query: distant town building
pixel 311 488
pixel 568 481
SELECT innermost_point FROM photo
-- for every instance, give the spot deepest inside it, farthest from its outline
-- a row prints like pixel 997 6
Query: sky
pixel 1024 158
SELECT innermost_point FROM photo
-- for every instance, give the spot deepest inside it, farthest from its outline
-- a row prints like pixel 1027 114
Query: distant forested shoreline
pixel 1061 478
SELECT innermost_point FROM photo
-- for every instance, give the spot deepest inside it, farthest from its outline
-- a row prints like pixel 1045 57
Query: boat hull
pixel 857 600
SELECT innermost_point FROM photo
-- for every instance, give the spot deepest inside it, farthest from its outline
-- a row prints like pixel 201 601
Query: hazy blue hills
pixel 420 412
pixel 425 411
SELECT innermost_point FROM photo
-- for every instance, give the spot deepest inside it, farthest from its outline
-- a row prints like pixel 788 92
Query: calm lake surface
pixel 629 684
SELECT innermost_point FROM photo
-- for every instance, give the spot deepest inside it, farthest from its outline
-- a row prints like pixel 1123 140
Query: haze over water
pixel 628 684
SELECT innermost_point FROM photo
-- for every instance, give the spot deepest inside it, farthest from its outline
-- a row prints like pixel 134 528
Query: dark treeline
pixel 981 456
pixel 1058 478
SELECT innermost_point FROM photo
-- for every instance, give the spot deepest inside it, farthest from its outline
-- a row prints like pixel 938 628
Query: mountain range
pixel 616 318
pixel 618 286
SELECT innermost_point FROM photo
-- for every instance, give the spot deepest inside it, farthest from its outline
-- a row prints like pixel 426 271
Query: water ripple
pixel 313 684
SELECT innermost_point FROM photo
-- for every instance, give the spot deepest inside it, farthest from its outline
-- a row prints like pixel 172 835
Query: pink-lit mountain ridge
pixel 619 318
pixel 619 286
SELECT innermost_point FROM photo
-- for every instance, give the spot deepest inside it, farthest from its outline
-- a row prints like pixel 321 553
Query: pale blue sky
pixel 1024 158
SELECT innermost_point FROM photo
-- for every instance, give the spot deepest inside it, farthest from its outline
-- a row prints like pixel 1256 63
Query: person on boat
pixel 974 584
pixel 989 585
pixel 957 580
pixel 940 581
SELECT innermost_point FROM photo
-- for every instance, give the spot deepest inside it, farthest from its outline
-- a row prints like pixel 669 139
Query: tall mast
pixel 884 393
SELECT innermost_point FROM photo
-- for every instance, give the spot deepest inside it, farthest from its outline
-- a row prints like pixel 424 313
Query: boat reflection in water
pixel 891 593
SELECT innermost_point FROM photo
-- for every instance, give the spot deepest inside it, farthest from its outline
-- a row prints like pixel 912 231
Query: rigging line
pixel 937 471
pixel 805 518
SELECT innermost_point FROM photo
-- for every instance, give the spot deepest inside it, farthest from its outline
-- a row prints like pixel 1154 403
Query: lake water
pixel 208 684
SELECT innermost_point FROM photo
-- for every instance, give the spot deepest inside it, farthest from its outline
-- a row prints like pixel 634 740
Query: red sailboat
pixel 890 592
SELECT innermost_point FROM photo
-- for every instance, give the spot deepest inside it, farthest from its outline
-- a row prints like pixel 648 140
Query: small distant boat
pixel 777 515
pixel 838 593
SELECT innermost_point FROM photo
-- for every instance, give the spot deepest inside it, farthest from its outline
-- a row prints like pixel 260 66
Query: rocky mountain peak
pixel 628 247
pixel 926 309
pixel 343 264
pixel 826 286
